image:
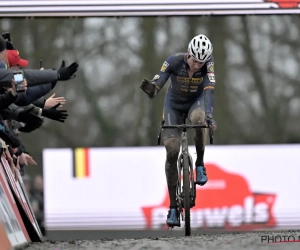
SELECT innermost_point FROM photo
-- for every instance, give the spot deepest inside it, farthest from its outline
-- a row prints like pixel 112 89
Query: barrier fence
pixel 18 225
pixel 250 188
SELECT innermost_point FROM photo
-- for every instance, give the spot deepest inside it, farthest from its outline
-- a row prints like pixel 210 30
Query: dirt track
pixel 211 241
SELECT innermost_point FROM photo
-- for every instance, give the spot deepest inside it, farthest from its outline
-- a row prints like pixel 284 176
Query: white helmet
pixel 200 48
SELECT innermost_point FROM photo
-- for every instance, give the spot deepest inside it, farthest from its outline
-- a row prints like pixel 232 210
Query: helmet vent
pixel 193 51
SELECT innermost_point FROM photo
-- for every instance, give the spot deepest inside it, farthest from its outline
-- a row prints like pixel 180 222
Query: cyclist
pixel 191 92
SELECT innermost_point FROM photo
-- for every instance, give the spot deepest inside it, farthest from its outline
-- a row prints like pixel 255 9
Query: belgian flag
pixel 81 163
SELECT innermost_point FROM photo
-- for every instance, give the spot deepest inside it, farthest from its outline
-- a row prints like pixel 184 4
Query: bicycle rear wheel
pixel 187 195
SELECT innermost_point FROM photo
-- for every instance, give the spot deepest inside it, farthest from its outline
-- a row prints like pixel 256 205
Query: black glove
pixel 27 128
pixel 54 114
pixel 209 120
pixel 64 73
pixel 25 115
pixel 148 87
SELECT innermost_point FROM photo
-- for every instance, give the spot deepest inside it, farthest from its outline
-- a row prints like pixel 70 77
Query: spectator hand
pixel 66 73
pixel 30 160
pixel 14 89
pixel 51 101
pixel 10 160
pixel 27 159
pixel 54 114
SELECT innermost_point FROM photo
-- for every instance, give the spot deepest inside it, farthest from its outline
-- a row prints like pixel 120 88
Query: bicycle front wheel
pixel 187 194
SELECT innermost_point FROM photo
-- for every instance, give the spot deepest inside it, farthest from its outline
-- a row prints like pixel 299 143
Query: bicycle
pixel 185 166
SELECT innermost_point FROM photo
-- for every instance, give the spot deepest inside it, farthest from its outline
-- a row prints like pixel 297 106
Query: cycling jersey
pixel 184 89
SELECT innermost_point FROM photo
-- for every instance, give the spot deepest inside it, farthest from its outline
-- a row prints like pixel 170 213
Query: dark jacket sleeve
pixel 32 94
pixel 32 76
pixel 13 111
pixel 6 100
pixel 40 102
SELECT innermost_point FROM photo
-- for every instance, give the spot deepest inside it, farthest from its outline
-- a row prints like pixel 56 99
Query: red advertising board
pixel 22 203
pixel 10 218
pixel 5 243
pixel 222 206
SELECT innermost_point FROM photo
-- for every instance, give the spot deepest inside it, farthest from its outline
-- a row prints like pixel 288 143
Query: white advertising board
pixel 146 7
pixel 249 187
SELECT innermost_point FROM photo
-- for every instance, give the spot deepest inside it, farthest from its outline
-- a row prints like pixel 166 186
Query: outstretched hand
pixel 54 114
pixel 66 73
pixel 52 100
pixel 148 87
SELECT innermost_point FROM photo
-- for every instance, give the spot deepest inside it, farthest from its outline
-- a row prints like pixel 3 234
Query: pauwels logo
pixel 286 4
pixel 225 202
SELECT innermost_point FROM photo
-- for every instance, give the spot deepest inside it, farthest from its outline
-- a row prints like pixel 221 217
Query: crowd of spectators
pixel 23 108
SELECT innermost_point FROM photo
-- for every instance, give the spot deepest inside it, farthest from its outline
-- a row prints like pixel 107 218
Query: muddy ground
pixel 230 241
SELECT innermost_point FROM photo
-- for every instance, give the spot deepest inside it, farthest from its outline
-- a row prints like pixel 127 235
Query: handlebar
pixel 185 127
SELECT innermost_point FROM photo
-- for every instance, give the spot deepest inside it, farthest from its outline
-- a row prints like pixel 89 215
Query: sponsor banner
pixel 5 243
pixel 146 7
pixel 249 187
pixel 11 224
pixel 16 187
pixel 220 205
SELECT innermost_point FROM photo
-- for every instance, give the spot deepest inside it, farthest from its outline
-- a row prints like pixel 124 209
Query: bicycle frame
pixel 186 189
pixel 185 151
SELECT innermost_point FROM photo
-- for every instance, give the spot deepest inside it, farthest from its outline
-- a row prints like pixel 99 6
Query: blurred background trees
pixel 256 57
